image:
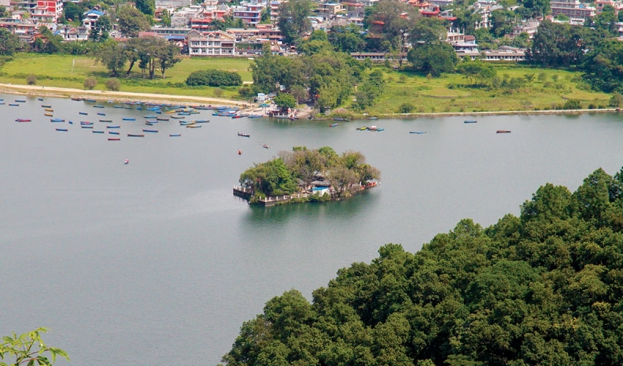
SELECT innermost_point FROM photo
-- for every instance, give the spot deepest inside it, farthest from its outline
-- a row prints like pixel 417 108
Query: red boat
pixel 114 139
pixel 502 131
pixel 22 120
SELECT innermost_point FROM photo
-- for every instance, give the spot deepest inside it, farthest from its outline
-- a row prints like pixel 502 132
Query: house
pixel 249 12
pixel 572 9
pixel 526 26
pixel 70 33
pixel 90 18
pixel 215 43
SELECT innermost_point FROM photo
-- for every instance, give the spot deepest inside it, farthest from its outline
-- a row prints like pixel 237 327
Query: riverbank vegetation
pixel 541 288
pixel 301 170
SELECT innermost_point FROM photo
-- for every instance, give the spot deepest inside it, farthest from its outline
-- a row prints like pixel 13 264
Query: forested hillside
pixel 545 288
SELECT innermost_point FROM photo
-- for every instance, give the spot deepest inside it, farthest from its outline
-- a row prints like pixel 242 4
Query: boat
pixel 175 135
pixel 135 135
pixel 178 117
pixel 194 126
pixel 40 99
pixel 113 132
pixel 117 106
pixel 48 114
pixel 97 131
pixel 101 114
pixel 20 100
pixel 265 146
pixel 106 120
pixel 340 119
pixel 243 134
pixel 22 120
pixel 149 123
pixel 113 126
pixel 502 131
pixel 83 113
pixel 129 119
pixel 418 132
pixel 85 123
pixel 114 139
pixel 126 161
pixel 239 152
pixel 98 106
pixel 237 116
pixel 150 131
pixel 90 100
pixel 13 105
pixel 255 116
pixel 470 121
pixel 333 125
pixel 202 121
pixel 87 126
pixel 77 99
pixel 57 120
pixel 162 119
pixel 70 122
pixel 373 118
pixel 46 106
pixel 380 129
pixel 61 129
pixel 364 128
pixel 49 110
pixel 372 128
pixel 150 117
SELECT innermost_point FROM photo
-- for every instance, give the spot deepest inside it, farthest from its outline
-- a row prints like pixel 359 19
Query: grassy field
pixel 68 71
pixel 428 95
pixel 447 93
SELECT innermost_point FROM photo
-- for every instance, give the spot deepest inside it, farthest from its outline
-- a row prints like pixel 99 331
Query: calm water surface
pixel 156 263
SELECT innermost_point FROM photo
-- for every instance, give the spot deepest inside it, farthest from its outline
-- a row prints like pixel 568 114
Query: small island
pixel 307 175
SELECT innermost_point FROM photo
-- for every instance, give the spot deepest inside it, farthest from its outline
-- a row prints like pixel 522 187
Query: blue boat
pixel 255 116
pixel 87 126
pixel 380 129
pixel 83 113
pixel 90 100
pixel 71 123
pixel 135 135
pixel 113 126
pixel 175 135
pixel 152 131
pixel 162 119
pixel 117 106
pixel 98 106
pixel 333 125
pixel 470 121
pixel 46 106
pixel 150 116
pixel 101 114
pixel 20 100
pixel 57 120
pixel 97 131
pixel 202 121
pixel 113 132
pixel 149 123
pixel 129 119
pixel 40 99
pixel 61 129
pixel 13 105
pixel 418 132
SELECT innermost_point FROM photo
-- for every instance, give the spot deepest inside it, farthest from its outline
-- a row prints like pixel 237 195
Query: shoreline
pixel 119 96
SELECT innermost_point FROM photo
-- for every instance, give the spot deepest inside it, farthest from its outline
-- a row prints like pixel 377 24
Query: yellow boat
pixel 49 110
pixel 48 114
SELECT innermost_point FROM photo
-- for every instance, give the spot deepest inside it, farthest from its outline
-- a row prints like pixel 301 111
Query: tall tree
pixel 293 20
pixel 112 56
pixel 433 58
pixel 147 7
pixel 391 20
pixel 9 42
pixel 131 21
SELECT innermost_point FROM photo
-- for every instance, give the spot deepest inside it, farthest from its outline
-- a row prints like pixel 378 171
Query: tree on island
pixel 280 175
pixel 544 288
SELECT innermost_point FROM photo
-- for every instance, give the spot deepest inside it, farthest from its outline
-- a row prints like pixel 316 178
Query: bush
pixel 406 108
pixel 214 78
pixel 246 92
pixel 90 83
pixel 572 104
pixel 616 100
pixel 31 79
pixel 113 84
pixel 218 92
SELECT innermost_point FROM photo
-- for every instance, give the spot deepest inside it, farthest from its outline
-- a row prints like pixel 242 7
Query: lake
pixel 157 263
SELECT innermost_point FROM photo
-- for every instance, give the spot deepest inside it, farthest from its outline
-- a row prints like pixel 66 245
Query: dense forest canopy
pixel 545 288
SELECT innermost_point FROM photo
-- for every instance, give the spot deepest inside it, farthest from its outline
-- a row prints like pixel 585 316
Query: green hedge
pixel 214 78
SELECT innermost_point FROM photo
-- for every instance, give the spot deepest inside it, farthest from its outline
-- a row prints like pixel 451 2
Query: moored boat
pixel 113 132
pixel 20 100
pixel 22 120
pixel 13 105
pixel 46 106
pixel 364 128
pixel 48 114
pixel 503 131
pixel 114 139
pixel 175 135
pixel 86 126
pixel 243 134
pixel 83 113
pixel 106 120
pixel 97 131
pixel 150 131
pixel 113 126
pixel 61 129
pixel 194 126
pixel 373 118
pixel 129 119
pixel 333 125
pixel 98 106
pixel 470 121
pixel 101 114
pixel 265 146
pixel 418 132
pixel 57 120
pixel 135 135
pixel 85 123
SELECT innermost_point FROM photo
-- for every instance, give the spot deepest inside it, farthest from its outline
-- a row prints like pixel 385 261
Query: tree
pixel 476 72
pixel 346 39
pixel 293 20
pixel 538 7
pixel 285 100
pixel 3 11
pixel 389 21
pixel 168 56
pixel 147 7
pixel 214 77
pixel 165 18
pixel 90 83
pixel 428 31
pixel 270 179
pixel 113 84
pixel 9 42
pixel 100 31
pixel 433 59
pixel 299 93
pixel 31 79
pixel 606 20
pixel 561 44
pixel 72 12
pixel 131 21
pixel 29 349
pixel 112 56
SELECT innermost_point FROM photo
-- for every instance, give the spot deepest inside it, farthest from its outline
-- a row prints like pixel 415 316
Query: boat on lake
pixel 49 110
pixel 90 100
pixel 57 120
pixel 333 125
pixel 255 116
pixel 373 118
pixel 150 131
pixel 97 131
pixel 113 126
pixel 202 121
pixel 13 105
pixel 194 126
pixel 106 120
pixel 340 119
pixel 61 129
pixel 113 132
pixel 503 131
pixel 46 106
pixel 265 146
pixel 101 114
pixel 150 117
pixel 40 99
pixel 162 119
pixel 114 139
pixel 86 126
pixel 85 123
pixel 83 113
pixel 470 121
pixel 175 135
pixel 22 120
pixel 129 119
pixel 135 135
pixel 380 129
pixel 48 114
pixel 418 132
pixel 20 100
pixel 364 128
pixel 98 106
pixel 243 134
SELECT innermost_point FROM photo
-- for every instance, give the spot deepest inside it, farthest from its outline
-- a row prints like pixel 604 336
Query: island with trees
pixel 544 288
pixel 307 175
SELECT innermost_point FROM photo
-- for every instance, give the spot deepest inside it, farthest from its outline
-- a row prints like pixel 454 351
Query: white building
pixel 216 43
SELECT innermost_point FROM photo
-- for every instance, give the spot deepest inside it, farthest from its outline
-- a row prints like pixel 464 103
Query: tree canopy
pixel 543 288
pixel 293 19
pixel 132 21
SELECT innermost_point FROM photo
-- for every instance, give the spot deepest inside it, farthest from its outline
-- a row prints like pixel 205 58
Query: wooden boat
pixel 149 123
pixel 117 106
pixel 135 135
pixel 255 116
pixel 372 128
pixel 86 126
pixel 20 100
pixel 194 126
pixel 113 132
pixel 13 105
pixel 114 139
pixel 40 99
pixel 97 131
pixel 243 134
pixel 46 106
pixel 76 99
pixel 129 119
pixel 61 129
pixel 364 128
pixel 106 120
pixel 23 120
pixel 150 131
pixel 178 117
pixel 150 117
pixel 49 110
pixel 418 132
pixel 162 119
pixel 340 119
pixel 502 131
pixel 91 100
pixel 98 106
pixel 202 121
pixel 101 114
pixel 333 125
pixel 57 120
pixel 380 129
pixel 175 135
pixel 470 121
pixel 265 146
pixel 373 118
pixel 70 122
pixel 48 114
pixel 83 113
pixel 113 126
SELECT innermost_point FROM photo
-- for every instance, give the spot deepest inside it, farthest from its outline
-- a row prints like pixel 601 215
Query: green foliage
pixel 561 44
pixel 433 58
pixel 285 100
pixel 9 42
pixel 113 84
pixel 271 178
pixel 477 73
pixel 293 19
pixel 147 7
pixel 131 21
pixel 346 39
pixel 544 288
pixel 90 83
pixel 112 56
pixel 214 78
pixel 31 79
pixel 29 349
pixel 370 90
pixel 602 66
pixel 387 22
pixel 406 108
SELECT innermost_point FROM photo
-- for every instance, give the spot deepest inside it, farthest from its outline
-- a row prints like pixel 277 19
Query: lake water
pixel 156 263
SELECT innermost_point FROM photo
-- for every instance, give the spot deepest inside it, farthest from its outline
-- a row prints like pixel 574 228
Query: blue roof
pixel 93 11
pixel 175 38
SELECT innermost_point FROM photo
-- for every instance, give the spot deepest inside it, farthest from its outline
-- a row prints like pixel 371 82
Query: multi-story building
pixel 90 18
pixel 249 12
pixel 572 9
pixel 216 43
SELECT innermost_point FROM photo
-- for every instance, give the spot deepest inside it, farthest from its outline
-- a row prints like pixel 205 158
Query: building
pixel 216 43
pixel 572 9
pixel 526 26
pixel 249 13
pixel 90 18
